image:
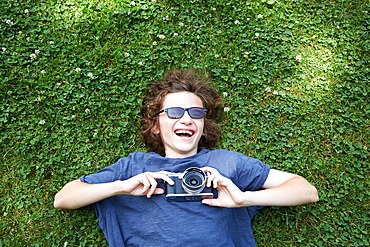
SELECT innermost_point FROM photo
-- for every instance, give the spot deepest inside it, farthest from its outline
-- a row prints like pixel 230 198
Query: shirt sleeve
pixel 251 173
pixel 118 171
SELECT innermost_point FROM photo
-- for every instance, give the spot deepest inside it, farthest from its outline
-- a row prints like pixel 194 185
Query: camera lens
pixel 193 180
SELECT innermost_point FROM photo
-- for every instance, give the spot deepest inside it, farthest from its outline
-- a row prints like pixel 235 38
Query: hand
pixel 229 195
pixel 145 184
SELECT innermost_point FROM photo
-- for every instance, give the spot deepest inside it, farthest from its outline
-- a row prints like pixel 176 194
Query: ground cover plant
pixel 294 75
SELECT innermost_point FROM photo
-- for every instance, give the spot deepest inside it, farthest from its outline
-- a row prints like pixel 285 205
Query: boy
pixel 178 128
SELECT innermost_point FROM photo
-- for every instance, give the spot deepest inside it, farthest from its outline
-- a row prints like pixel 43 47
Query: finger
pixel 146 184
pixel 168 180
pixel 164 172
pixel 153 185
pixel 209 180
pixel 209 169
pixel 215 182
pixel 159 191
pixel 211 202
pixel 163 175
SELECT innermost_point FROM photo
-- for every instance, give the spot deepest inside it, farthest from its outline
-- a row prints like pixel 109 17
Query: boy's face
pixel 180 136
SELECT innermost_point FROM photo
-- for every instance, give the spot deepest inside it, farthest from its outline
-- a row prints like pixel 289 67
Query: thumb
pixel 211 202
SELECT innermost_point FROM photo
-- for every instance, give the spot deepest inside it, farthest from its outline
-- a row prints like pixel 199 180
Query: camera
pixel 189 186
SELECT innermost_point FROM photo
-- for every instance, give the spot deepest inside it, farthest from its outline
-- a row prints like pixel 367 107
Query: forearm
pixel 295 191
pixel 77 194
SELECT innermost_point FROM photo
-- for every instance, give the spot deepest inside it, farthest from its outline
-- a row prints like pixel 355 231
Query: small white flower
pixel 90 75
pixel 73 116
pixel 133 3
pixel 33 56
pixel 115 12
pixel 155 43
pixel 246 54
pixel 225 94
pixel 42 122
pixel 26 11
pixel 259 16
pixel 59 84
pixel 140 63
pixel 287 88
pixel 95 135
pixel 161 36
pixel 236 22
pixel 248 19
pixel 268 89
pixel 181 24
pixel 4 49
pixel 65 244
pixel 20 33
pixel 78 70
pixel 38 99
pixel 43 71
pixel 275 92
pixel 51 42
pixel 226 109
pixel 175 34
pixel 298 58
pixel 214 9
pixel 37 52
pixel 9 22
pixel 257 34
pixel 127 54
pixel 290 134
pixel 87 110
pixel 217 56
pixel 28 38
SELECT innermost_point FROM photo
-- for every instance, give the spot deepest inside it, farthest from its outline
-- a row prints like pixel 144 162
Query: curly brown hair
pixel 180 81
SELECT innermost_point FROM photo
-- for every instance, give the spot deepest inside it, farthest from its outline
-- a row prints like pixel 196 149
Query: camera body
pixel 189 186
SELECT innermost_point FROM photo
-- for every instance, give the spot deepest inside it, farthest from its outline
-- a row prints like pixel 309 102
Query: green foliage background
pixel 295 75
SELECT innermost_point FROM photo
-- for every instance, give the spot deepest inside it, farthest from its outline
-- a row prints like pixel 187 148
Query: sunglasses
pixel 178 112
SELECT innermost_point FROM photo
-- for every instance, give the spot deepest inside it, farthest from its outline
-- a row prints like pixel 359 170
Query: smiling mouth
pixel 184 133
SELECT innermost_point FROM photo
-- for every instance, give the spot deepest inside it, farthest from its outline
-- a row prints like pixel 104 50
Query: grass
pixel 295 75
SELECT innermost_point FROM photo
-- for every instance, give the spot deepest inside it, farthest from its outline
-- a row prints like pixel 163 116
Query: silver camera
pixel 189 186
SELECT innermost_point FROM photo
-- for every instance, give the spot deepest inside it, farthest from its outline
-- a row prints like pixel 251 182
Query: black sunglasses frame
pixel 204 110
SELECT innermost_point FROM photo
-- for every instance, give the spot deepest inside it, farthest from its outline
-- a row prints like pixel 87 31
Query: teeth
pixel 184 132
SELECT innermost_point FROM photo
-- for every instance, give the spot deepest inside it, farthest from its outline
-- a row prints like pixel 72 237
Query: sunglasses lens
pixel 175 112
pixel 196 112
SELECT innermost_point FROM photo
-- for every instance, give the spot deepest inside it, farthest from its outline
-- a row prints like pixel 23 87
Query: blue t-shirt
pixel 138 221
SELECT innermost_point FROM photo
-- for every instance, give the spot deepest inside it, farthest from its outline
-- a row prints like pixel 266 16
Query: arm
pixel 280 189
pixel 77 194
pixel 283 189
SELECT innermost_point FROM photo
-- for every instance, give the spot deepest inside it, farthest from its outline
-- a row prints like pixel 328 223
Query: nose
pixel 186 119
